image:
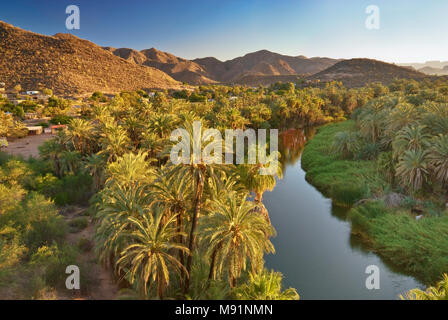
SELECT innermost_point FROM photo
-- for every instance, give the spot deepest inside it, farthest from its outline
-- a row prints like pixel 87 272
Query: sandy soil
pixel 104 287
pixel 27 146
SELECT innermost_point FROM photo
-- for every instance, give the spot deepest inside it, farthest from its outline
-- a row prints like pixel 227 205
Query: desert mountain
pixel 358 72
pixel 68 64
pixel 261 67
pixel 435 71
pixel 178 68
pixel 262 63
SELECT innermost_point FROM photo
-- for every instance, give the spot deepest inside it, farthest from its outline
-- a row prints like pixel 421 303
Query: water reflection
pixel 315 249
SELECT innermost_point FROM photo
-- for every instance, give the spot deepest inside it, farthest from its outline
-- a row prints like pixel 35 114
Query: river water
pixel 315 250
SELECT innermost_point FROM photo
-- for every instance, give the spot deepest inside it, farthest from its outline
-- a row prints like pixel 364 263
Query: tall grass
pixel 419 247
pixel 342 180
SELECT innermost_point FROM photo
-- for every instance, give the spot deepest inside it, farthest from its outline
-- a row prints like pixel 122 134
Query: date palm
pixel 134 128
pixel 153 144
pixel 346 144
pixel 69 161
pixel 131 168
pixel 234 234
pixel 438 158
pixel 265 286
pixel 372 123
pixel 80 132
pixel 161 124
pixel 148 258
pixel 114 142
pixel 199 173
pixel 118 203
pixel 254 179
pixel 412 168
pixel 51 150
pixel 438 292
pixel 94 165
pixel 172 193
pixel 412 137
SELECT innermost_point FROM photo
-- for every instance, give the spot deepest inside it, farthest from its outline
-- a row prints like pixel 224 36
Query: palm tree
pixel 265 286
pixel 386 166
pixel 70 161
pixel 80 132
pixel 131 168
pixel 438 158
pixel 252 177
pixel 153 144
pixel 118 203
pixel 412 168
pixel 345 143
pixel 438 292
pixel 148 256
pixel 199 173
pixel 233 233
pixel 172 194
pixel 372 123
pixel 161 124
pixel 412 137
pixel 134 128
pixel 94 165
pixel 114 142
pixel 51 150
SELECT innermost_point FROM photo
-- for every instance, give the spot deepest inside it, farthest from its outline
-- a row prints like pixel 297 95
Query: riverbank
pixel 416 247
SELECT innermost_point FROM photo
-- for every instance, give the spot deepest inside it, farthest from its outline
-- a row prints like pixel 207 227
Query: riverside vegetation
pixel 390 162
pixel 175 231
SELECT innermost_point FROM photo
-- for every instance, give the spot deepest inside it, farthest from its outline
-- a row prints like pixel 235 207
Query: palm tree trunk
pixel 233 282
pixel 181 241
pixel 192 237
pixel 258 196
pixel 212 265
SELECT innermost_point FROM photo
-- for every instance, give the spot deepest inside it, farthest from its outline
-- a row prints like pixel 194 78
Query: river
pixel 315 250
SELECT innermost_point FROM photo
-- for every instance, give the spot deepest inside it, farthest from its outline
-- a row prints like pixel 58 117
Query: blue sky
pixel 410 30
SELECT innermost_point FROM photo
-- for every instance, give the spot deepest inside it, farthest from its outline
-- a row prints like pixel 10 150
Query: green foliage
pixel 60 119
pixel 438 292
pixel 265 286
pixel 343 180
pixel 416 246
pixel 77 224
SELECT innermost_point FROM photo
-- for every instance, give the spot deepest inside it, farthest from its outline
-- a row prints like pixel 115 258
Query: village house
pixel 34 130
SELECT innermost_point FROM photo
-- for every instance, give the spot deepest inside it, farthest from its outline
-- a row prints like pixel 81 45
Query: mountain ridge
pixel 70 65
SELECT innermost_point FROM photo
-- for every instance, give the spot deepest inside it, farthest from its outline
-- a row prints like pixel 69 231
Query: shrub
pixel 78 224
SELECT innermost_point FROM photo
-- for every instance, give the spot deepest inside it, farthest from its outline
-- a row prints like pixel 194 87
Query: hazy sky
pixel 410 30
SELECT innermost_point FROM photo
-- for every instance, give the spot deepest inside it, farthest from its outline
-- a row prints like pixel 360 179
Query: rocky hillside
pixel 178 68
pixel 70 65
pixel 262 63
pixel 358 72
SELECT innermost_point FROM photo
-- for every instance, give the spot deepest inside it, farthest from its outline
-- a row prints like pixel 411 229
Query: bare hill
pixel 70 65
pixel 358 72
pixel 262 63
pixel 178 68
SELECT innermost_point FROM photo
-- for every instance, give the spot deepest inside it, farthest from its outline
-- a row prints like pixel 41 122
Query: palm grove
pixel 178 231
